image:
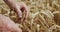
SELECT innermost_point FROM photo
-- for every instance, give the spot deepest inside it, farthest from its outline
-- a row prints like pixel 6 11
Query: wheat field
pixel 44 15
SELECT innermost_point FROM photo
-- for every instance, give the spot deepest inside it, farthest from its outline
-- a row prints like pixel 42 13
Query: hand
pixel 7 25
pixel 22 10
pixel 19 8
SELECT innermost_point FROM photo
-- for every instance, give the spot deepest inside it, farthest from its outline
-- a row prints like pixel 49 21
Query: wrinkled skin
pixel 18 7
pixel 7 25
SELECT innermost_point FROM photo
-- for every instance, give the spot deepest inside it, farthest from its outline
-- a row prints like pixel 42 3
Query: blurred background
pixel 44 15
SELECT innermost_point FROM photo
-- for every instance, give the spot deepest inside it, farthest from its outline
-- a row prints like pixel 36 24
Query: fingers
pixel 25 8
pixel 18 11
pixel 26 12
pixel 22 9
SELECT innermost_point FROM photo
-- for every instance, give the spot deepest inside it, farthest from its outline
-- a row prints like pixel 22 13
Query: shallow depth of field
pixel 44 15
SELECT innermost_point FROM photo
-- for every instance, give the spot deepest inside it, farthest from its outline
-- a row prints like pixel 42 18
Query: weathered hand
pixel 7 25
pixel 19 8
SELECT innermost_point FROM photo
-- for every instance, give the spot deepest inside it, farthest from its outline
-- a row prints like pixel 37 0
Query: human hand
pixel 19 8
pixel 7 25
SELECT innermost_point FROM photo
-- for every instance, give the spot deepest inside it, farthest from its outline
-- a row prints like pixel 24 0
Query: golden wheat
pixel 44 15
